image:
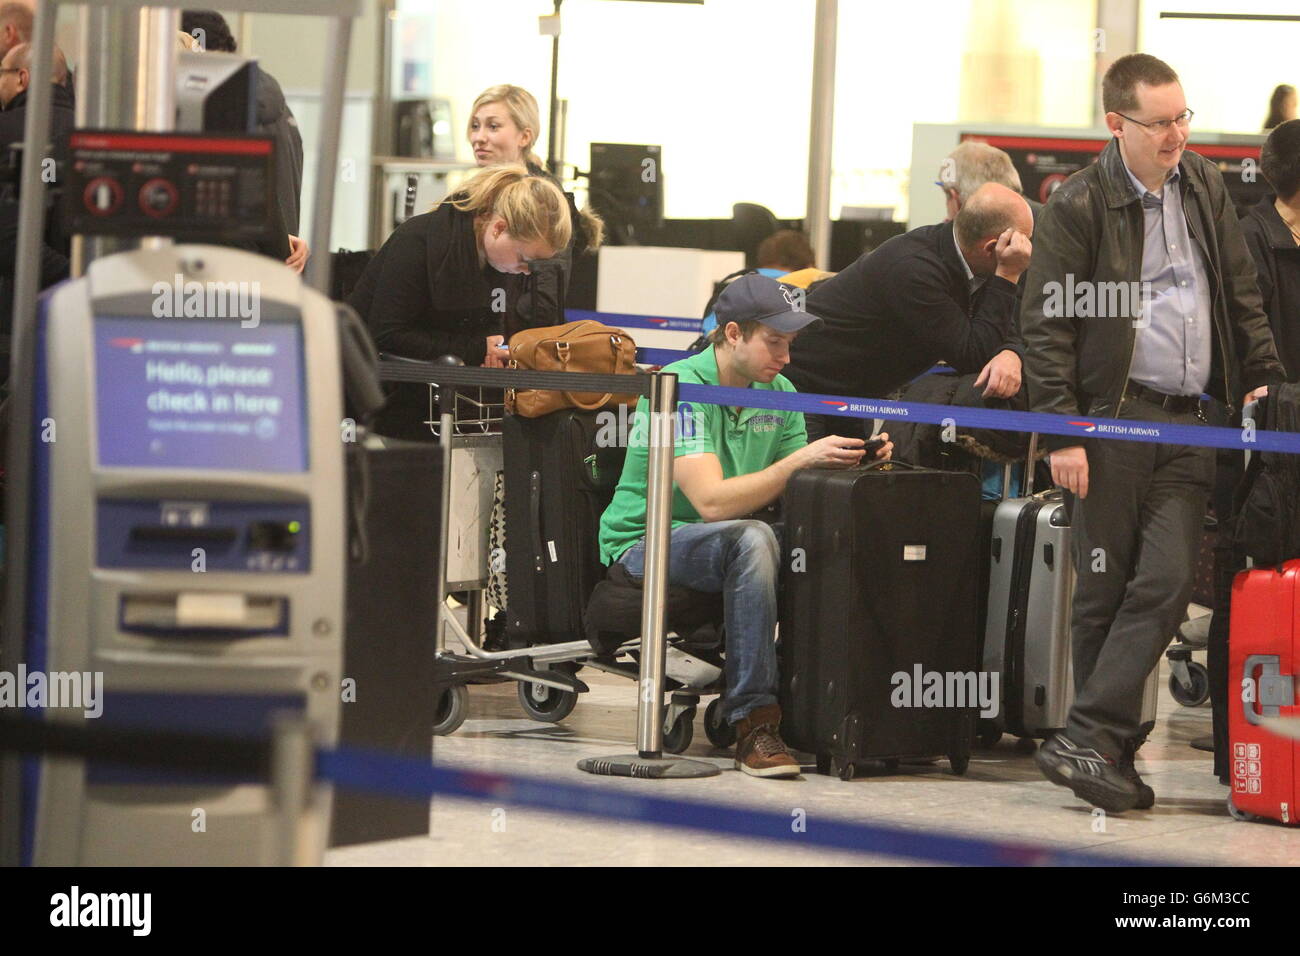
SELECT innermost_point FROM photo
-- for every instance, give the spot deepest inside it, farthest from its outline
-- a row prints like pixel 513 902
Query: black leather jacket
pixel 1092 228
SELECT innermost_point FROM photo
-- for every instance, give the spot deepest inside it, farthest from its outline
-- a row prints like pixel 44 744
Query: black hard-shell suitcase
pixel 558 481
pixel 881 567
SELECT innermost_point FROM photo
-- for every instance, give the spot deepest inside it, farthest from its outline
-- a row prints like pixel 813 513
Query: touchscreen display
pixel 208 394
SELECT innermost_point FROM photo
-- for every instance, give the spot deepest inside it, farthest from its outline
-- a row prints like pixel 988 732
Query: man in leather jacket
pixel 1141 296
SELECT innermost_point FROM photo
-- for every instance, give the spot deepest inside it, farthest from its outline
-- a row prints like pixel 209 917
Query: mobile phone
pixel 873 445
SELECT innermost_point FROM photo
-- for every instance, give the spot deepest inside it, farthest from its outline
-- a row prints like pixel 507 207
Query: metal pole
pixel 817 220
pixel 446 404
pixel 331 128
pixel 291 781
pixel 155 78
pixel 155 82
pixel 31 226
pixel 658 531
pixel 552 147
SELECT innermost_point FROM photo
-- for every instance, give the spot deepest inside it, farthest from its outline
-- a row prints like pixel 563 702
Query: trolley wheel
pixel 720 733
pixel 958 765
pixel 452 709
pixel 1026 745
pixel 547 704
pixel 1198 693
pixel 678 737
pixel 1236 814
pixel 989 736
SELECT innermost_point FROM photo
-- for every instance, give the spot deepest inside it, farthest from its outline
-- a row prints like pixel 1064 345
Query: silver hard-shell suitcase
pixel 1030 605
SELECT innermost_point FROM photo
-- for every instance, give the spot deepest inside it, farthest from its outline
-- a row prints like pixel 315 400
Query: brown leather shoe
pixel 760 751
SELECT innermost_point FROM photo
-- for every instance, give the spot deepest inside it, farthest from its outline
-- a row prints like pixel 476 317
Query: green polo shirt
pixel 745 442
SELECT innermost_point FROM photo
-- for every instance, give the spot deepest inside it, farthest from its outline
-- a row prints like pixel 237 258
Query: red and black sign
pixel 1045 162
pixel 199 186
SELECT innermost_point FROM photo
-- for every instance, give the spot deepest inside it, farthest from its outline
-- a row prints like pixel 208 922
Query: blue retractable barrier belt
pixel 619 320
pixel 1041 422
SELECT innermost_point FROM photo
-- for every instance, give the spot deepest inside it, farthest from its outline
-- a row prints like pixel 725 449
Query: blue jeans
pixel 741 559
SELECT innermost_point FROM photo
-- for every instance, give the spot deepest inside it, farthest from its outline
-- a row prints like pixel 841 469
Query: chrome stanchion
pixel 649 760
pixel 291 783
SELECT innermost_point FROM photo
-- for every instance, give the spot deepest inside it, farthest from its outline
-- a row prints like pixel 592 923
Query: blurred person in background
pixel 274 119
pixel 970 166
pixel 1281 106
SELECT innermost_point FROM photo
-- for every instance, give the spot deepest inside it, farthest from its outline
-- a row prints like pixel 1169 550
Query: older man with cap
pixel 729 463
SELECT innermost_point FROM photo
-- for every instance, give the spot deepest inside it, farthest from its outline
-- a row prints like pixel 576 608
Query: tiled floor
pixel 1001 797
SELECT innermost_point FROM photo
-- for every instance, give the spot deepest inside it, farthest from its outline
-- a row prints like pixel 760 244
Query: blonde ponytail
pixel 533 207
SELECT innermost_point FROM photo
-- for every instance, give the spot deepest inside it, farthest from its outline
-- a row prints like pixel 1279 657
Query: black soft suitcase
pixel 558 482
pixel 388 646
pixel 880 591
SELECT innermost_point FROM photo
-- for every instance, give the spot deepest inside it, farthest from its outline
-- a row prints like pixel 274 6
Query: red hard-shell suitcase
pixel 1261 669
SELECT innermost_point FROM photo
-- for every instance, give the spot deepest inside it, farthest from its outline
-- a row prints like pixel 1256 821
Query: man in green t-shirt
pixel 730 462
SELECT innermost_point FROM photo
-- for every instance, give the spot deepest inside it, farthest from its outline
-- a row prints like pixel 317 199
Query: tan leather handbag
pixel 585 346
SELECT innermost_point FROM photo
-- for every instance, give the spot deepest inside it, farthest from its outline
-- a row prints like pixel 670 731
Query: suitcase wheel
pixel 1198 691
pixel 958 764
pixel 989 735
pixel 678 737
pixel 452 709
pixel 1239 814
pixel 720 733
pixel 844 771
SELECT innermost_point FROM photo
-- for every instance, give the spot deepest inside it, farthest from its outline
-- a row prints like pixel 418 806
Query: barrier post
pixel 292 770
pixel 649 760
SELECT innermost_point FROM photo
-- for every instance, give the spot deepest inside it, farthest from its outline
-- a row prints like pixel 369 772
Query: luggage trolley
pixel 466 420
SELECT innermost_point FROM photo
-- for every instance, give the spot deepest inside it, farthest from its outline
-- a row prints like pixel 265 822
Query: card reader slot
pixel 162 532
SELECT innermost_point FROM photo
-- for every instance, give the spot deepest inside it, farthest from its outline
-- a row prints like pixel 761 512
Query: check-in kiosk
pixel 186 540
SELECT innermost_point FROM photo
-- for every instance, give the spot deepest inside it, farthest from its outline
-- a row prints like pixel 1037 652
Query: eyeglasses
pixel 1182 120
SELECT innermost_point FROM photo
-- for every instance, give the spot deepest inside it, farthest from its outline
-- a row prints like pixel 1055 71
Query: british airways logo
pixel 842 406
pixel 1086 426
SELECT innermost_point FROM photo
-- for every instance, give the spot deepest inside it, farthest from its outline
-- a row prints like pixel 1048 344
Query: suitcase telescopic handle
pixel 1273 689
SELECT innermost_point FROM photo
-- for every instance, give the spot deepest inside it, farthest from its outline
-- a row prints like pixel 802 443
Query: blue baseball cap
pixel 757 297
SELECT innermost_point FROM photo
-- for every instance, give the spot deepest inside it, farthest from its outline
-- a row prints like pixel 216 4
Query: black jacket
pixel 1277 267
pixel 895 312
pixel 275 119
pixel 1092 228
pixel 424 293
pixel 62 120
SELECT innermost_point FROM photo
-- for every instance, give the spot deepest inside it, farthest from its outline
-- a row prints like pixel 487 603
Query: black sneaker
pixel 1091 776
pixel 1146 796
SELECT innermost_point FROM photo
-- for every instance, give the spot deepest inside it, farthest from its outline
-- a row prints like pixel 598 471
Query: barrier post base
pixel 653 768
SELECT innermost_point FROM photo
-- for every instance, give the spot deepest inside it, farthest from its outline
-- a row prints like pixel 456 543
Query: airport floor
pixel 1002 797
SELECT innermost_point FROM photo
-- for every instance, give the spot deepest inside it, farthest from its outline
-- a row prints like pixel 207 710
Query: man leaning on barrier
pixel 1154 222
pixel 729 463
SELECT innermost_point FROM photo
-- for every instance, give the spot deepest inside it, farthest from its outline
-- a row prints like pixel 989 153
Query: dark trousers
pixel 1228 474
pixel 1135 541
